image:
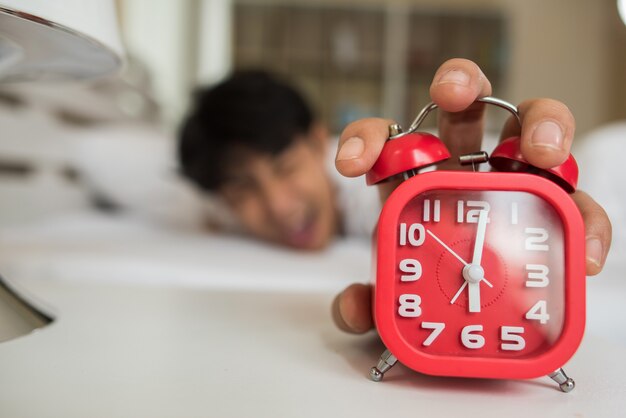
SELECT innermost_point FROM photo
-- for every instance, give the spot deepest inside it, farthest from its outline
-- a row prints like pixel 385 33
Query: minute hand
pixel 480 238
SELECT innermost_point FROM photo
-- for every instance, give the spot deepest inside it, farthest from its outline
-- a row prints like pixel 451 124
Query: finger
pixel 598 232
pixel 360 145
pixel 352 309
pixel 511 128
pixel 547 132
pixel 456 86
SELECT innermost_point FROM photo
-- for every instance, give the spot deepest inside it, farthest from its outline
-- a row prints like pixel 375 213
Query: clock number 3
pixel 410 306
pixel 537 275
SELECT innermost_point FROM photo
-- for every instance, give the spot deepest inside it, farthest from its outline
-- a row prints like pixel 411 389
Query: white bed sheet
pixel 89 246
pixel 92 246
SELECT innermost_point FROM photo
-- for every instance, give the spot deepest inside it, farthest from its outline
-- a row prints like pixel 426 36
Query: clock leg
pixel 565 383
pixel 386 362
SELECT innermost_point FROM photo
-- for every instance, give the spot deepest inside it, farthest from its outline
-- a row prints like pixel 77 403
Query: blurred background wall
pixel 377 57
pixel 70 145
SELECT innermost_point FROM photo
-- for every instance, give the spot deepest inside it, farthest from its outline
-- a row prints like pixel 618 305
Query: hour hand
pixel 474 273
pixel 451 251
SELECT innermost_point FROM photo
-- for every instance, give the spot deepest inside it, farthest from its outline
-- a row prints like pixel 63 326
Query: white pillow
pixel 135 167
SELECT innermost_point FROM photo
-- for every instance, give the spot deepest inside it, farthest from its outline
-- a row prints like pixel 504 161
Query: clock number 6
pixel 470 340
pixel 410 306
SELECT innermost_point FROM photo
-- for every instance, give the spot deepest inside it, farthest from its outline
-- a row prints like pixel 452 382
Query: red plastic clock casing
pixel 507 156
pixel 482 367
pixel 406 152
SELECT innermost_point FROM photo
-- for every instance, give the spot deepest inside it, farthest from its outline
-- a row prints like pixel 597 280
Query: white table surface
pixel 136 351
pixel 157 323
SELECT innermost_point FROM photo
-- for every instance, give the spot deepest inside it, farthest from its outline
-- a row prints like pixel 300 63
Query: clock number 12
pixel 474 207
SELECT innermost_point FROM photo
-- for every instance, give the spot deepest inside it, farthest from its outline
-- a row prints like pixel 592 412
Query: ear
pixel 319 137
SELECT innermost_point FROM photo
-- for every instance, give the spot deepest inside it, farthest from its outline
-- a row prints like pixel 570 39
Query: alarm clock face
pixel 473 273
pixel 514 308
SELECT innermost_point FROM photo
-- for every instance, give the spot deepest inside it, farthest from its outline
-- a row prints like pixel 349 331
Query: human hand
pixel 547 130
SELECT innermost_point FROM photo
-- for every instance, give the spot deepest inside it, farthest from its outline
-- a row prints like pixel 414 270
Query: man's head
pixel 253 140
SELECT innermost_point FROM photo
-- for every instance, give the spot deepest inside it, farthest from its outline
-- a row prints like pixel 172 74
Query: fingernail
pixel 351 149
pixel 340 305
pixel 548 134
pixel 458 77
pixel 594 250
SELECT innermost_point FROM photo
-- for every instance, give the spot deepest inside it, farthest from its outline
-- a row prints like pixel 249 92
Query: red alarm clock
pixel 478 274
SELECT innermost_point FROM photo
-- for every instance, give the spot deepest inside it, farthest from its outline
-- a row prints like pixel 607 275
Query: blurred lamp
pixel 58 39
pixel 621 8
pixel 51 40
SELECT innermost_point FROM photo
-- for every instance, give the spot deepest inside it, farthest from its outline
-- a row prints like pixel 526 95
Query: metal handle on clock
pixel 487 99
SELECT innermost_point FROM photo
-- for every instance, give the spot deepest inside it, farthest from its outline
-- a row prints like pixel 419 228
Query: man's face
pixel 286 198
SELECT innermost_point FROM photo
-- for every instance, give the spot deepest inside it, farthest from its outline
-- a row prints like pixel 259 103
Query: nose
pixel 279 199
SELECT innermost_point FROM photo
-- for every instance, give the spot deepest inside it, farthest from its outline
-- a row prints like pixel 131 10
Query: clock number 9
pixel 410 306
pixel 412 267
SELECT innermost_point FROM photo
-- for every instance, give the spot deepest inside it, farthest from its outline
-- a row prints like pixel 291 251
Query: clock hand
pixel 473 273
pixel 446 247
pixel 480 238
pixel 454 254
pixel 458 293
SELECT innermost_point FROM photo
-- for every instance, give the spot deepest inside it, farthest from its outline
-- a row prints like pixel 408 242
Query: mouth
pixel 304 233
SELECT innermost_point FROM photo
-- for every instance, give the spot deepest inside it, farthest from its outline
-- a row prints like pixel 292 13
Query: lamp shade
pixel 58 39
pixel 51 40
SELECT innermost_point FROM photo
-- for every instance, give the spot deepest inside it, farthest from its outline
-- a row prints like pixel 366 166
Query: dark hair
pixel 253 109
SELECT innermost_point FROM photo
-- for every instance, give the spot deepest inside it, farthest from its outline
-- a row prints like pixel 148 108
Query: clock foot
pixel 565 383
pixel 386 362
